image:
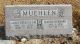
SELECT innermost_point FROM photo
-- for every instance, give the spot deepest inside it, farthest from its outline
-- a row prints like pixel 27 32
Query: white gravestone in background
pixel 24 20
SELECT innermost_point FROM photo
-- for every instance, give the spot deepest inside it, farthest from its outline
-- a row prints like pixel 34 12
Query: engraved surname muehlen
pixel 37 13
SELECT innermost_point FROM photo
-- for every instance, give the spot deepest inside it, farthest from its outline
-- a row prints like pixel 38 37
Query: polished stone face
pixel 25 20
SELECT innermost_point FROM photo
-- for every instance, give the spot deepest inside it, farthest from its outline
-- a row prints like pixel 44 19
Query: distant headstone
pixel 25 20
